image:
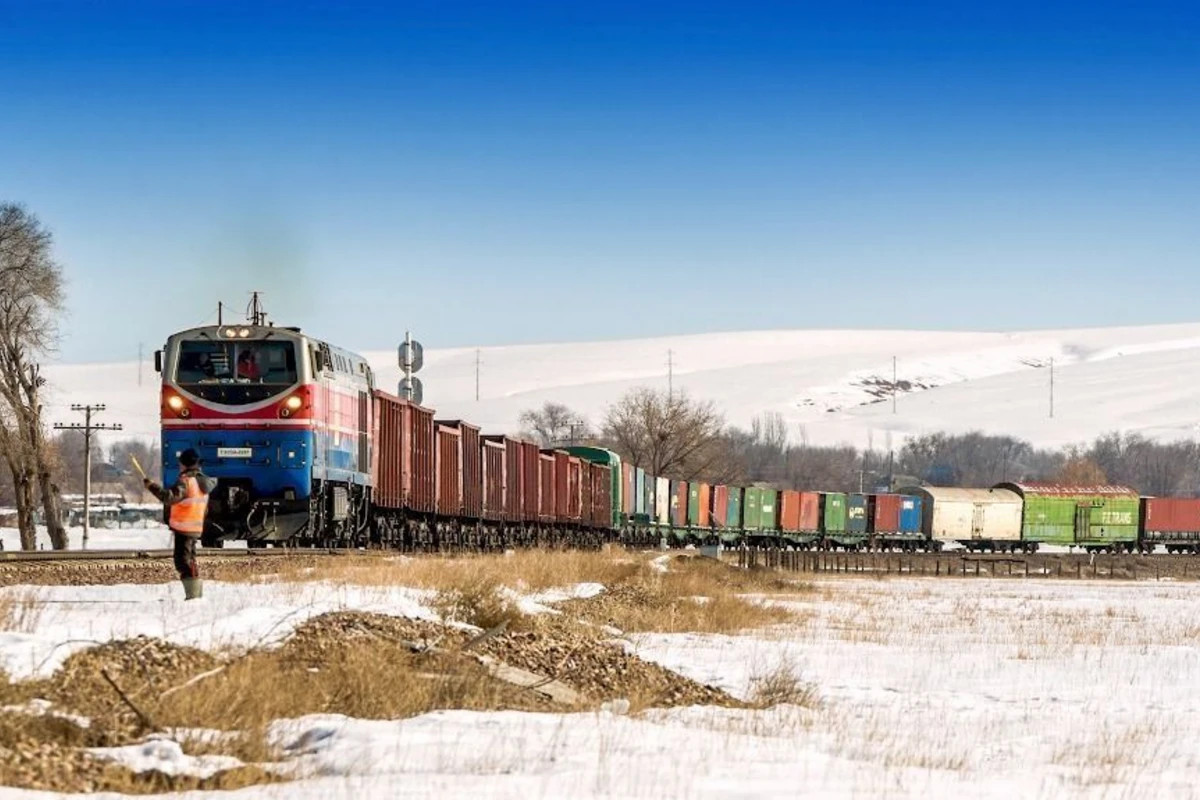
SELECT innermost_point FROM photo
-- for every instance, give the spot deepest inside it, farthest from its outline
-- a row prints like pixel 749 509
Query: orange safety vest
pixel 187 516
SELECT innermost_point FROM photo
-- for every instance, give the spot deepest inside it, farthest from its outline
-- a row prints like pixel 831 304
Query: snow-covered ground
pixel 927 688
pixel 825 383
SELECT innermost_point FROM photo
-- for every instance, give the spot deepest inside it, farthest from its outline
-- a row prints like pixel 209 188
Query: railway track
pixel 44 556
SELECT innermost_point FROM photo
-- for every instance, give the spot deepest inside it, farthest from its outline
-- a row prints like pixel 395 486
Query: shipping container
pixel 885 513
pixel 662 501
pixel 976 518
pixel 470 455
pixel 495 486
pixel 699 512
pixel 752 509
pixel 449 471
pixel 856 514
pixel 1095 517
pixel 734 503
pixel 547 473
pixel 639 492
pixel 910 515
pixel 1171 521
pixel 833 513
pixel 770 509
pixel 513 472
pixel 720 506
pixel 651 484
pixel 626 488
pixel 679 504
pixel 810 512
pixel 789 511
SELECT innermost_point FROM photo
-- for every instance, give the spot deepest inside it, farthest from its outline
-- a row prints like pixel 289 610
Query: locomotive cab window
pixel 236 373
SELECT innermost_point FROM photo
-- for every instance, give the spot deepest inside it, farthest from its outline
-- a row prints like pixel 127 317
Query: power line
pixel 88 427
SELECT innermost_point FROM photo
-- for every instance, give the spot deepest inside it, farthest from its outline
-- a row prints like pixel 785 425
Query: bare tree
pixel 554 425
pixel 31 300
pixel 667 433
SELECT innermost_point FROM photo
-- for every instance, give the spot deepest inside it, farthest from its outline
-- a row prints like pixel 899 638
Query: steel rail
pixel 32 556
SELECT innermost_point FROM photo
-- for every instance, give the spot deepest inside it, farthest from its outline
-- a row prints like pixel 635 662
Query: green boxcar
pixel 1094 517
pixel 599 455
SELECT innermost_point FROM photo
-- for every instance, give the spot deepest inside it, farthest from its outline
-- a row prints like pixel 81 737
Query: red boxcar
pixel 405 454
pixel 789 510
pixel 547 508
pixel 587 491
pixel 574 499
pixel 470 459
pixel 513 473
pixel 449 471
pixel 531 482
pixel 600 476
pixel 720 506
pixel 495 473
pixel 810 512
pixel 886 515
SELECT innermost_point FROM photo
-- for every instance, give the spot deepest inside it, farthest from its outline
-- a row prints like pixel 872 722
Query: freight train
pixel 308 451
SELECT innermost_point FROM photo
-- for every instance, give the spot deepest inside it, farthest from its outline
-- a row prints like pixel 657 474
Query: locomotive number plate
pixel 234 452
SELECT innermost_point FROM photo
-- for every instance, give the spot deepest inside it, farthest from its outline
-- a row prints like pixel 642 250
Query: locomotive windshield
pixel 236 373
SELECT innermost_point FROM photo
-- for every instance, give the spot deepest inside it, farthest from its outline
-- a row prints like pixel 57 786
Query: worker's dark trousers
pixel 185 556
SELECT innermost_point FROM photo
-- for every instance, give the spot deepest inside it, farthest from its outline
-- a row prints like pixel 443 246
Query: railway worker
pixel 187 502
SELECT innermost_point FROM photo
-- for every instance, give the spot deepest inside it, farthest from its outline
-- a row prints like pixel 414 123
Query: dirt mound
pixel 142 667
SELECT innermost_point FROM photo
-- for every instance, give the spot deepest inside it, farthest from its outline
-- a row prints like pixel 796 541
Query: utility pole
pixel 88 427
pixel 1052 388
pixel 893 384
pixel 256 313
pixel 670 373
pixel 477 361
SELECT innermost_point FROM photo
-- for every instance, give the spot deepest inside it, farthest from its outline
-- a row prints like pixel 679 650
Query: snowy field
pixel 927 688
pixel 1141 379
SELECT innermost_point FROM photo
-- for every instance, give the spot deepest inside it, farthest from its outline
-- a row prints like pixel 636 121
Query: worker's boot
pixel 192 589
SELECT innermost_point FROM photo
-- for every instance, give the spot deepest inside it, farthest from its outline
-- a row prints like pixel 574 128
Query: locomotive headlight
pixel 175 402
pixel 230 333
pixel 293 403
pixel 244 333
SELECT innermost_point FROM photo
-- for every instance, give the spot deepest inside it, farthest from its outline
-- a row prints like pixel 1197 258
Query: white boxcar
pixel 662 501
pixel 976 518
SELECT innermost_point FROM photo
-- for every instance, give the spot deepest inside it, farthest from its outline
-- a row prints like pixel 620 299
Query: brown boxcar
pixel 405 454
pixel 495 474
pixel 531 482
pixel 470 459
pixel 547 507
pixel 720 506
pixel 885 515
pixel 810 512
pixel 602 513
pixel 789 510
pixel 586 493
pixel 513 473
pixel 449 470
pixel 574 501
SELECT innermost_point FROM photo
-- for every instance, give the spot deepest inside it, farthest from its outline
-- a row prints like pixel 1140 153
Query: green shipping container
pixel 833 513
pixel 752 509
pixel 1089 516
pixel 770 509
pixel 693 510
pixel 733 518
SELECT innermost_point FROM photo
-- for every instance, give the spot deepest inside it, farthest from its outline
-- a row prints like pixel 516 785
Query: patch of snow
pixel 44 708
pixel 167 757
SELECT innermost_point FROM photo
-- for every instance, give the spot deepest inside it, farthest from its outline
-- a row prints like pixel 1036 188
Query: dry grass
pixel 21 610
pixel 782 686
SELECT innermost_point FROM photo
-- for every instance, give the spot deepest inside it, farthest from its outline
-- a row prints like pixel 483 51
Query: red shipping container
pixel 719 508
pixel 886 518
pixel 705 509
pixel 495 488
pixel 405 454
pixel 680 509
pixel 470 455
pixel 531 482
pixel 449 471
pixel 548 508
pixel 1171 515
pixel 789 510
pixel 810 512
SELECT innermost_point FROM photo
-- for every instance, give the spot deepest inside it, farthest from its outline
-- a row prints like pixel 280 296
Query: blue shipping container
pixel 910 514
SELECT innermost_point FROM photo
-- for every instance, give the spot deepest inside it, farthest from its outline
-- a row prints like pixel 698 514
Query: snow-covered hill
pixel 831 386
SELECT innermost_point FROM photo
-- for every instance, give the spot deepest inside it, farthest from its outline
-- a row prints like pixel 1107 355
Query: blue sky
pixel 491 173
